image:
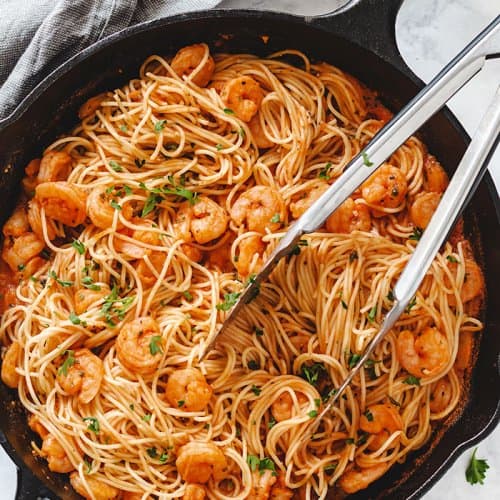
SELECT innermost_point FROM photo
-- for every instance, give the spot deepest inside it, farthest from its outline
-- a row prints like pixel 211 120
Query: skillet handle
pixel 370 24
pixel 30 487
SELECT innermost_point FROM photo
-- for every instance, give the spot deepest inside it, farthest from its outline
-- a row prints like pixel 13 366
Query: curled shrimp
pixel 206 220
pixel 423 208
pixel 35 220
pixel 17 224
pixel 10 362
pixel 30 181
pixel 101 212
pixel 297 208
pixel 381 420
pixel 188 60
pixel 250 255
pixel 136 250
pixel 83 377
pixel 284 408
pixel 194 492
pixel 441 394
pixel 473 284
pixel 188 389
pixel 243 95
pixel 134 345
pixel 62 202
pixel 22 249
pixel 220 258
pixel 55 455
pixel 386 188
pixel 262 482
pixel 350 216
pixel 358 479
pixel 425 354
pixel 198 461
pixel 85 298
pixel 279 490
pixel 260 208
pixel 36 426
pixel 435 178
pixel 90 106
pixel 258 135
pixel 93 489
pixel 54 166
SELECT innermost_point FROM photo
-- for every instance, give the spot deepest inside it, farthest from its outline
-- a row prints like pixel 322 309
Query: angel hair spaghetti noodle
pixel 136 233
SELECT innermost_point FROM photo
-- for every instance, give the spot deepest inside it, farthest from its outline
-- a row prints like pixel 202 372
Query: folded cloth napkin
pixel 36 36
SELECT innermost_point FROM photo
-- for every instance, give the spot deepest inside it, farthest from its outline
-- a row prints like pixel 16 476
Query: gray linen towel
pixel 36 36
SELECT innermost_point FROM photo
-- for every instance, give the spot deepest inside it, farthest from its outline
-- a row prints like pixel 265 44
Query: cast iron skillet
pixel 360 41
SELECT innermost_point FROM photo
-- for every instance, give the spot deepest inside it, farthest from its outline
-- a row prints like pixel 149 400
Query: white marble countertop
pixel 429 33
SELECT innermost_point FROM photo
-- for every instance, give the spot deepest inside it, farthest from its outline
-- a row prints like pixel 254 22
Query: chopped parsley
pixel 417 234
pixel 317 402
pixel 353 256
pixel 411 305
pixel 228 111
pixel 152 452
pixel 275 218
pixel 187 295
pixel 219 147
pixel 390 296
pixel 147 417
pixel 353 359
pixel 372 313
pixel 256 390
pixel 313 373
pixel 88 282
pixel 156 195
pixel 312 414
pixel 366 160
pixel 88 463
pixel 229 301
pixel 349 441
pixel 76 319
pixel 159 125
pixel 261 465
pixel 258 331
pixel 21 267
pixel 115 205
pixel 163 458
pixel 53 275
pixel 180 403
pixel 412 380
pixel 68 362
pixel 115 166
pixel 253 461
pixel 155 345
pixel 453 259
pixel 253 365
pixel 123 128
pixel 271 423
pixel 369 415
pixel 93 424
pixel 111 311
pixel 476 470
pixel 324 172
pixel 78 246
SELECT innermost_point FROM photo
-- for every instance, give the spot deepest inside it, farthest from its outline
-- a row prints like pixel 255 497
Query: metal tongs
pixel 464 182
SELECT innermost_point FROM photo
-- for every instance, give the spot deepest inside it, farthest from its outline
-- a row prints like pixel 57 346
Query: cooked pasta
pixel 136 233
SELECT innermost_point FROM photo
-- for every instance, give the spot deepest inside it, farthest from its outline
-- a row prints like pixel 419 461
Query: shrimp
pixel 243 95
pixel 435 178
pixel 258 135
pixel 10 376
pixel 426 355
pixel 187 61
pixel 194 492
pixel 206 220
pixel 261 208
pixel 197 461
pixel 146 274
pixel 32 266
pixel 62 202
pixel 90 106
pixel 283 408
pixel 441 394
pixel 220 258
pixel 30 181
pixel 92 488
pixel 358 479
pixel 297 208
pixel 250 255
pixel 473 284
pixel 188 389
pixel 423 208
pixel 101 212
pixel 56 457
pixel 86 298
pixel 8 286
pixel 381 420
pixel 21 250
pixel 261 485
pixel 54 166
pixel 17 224
pixel 83 377
pixel 350 216
pixel 134 345
pixel 35 221
pixel 36 426
pixel 386 188
pixel 134 250
pixel 280 491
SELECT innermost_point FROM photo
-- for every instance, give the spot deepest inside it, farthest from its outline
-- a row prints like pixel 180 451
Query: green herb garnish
pixel 313 373
pixel 78 246
pixel 411 380
pixel 256 390
pixel 369 415
pixel 115 166
pixel 155 345
pixel 312 414
pixel 275 218
pixel 68 362
pixel 366 160
pixel 372 314
pixel 53 275
pixel 476 470
pixel 453 259
pixel 253 365
pixel 93 424
pixel 111 311
pixel 417 234
pixel 228 111
pixel 323 173
pixel 229 301
pixel 160 125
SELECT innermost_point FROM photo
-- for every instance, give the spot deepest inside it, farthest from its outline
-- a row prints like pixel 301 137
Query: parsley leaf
pixel 78 246
pixel 369 415
pixel 68 362
pixel 353 359
pixel 372 313
pixel 228 111
pixel 253 461
pixel 76 320
pixel 366 160
pixel 110 311
pixel 411 305
pixel 155 345
pixel 272 422
pixel 53 275
pixel 417 234
pixel 258 331
pixel 180 403
pixel 229 301
pixel 115 166
pixel 412 380
pixel 188 295
pixel 313 373
pixel 139 163
pixel 256 390
pixel 353 256
pixel 267 464
pixel 150 204
pixel 115 205
pixel 163 458
pixel 152 452
pixel 312 414
pixel 93 424
pixel 160 125
pixel 275 218
pixel 88 282
pixel 476 470
pixel 453 259
pixel 253 365
pixel 147 417
pixel 323 173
